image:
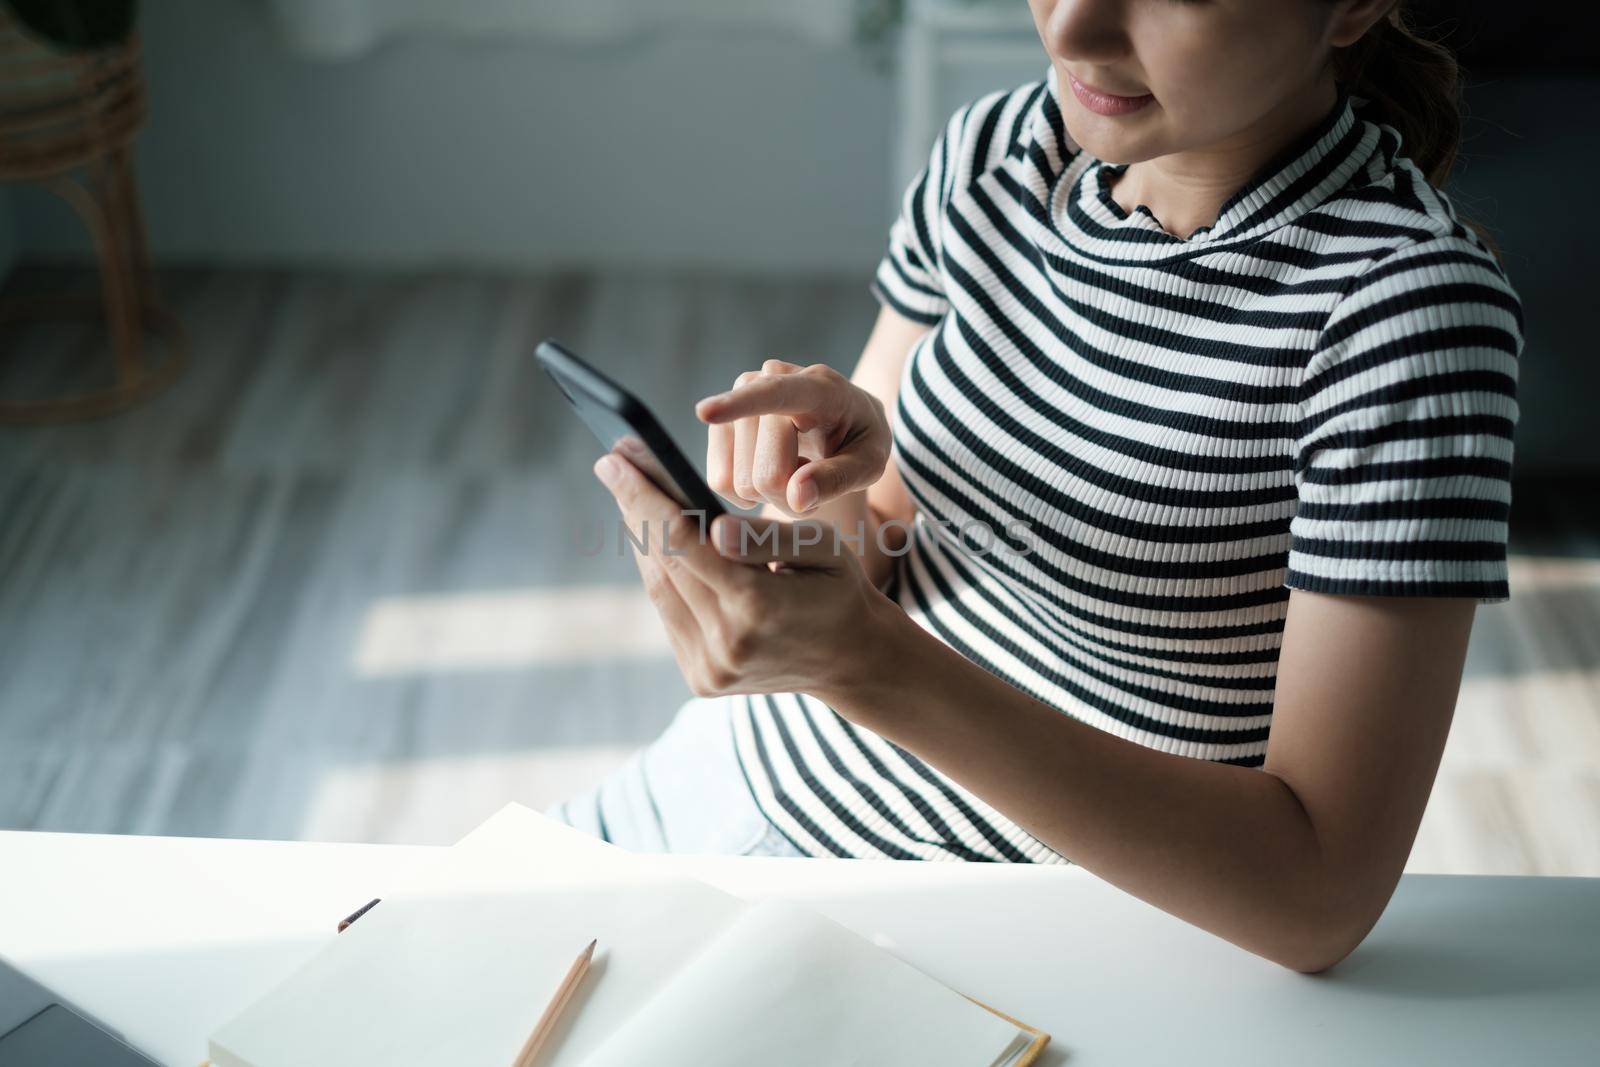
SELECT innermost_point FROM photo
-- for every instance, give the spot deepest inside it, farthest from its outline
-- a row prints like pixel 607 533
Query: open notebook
pixel 458 967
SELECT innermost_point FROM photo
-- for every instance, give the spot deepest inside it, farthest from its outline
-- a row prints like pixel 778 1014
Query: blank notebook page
pixel 461 980
pixel 786 987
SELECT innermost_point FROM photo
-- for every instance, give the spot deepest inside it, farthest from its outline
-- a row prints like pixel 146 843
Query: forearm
pixel 1226 848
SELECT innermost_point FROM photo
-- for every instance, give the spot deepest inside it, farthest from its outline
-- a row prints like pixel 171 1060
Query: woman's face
pixel 1182 74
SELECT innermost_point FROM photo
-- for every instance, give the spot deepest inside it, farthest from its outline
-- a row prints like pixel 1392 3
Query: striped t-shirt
pixel 1316 392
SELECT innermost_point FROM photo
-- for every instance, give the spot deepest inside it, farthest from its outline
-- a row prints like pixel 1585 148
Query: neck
pixel 1186 190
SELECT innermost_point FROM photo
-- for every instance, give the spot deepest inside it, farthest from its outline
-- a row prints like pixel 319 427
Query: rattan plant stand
pixel 67 123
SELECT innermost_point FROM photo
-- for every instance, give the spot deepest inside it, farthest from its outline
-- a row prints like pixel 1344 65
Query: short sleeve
pixel 908 277
pixel 911 277
pixel 1407 409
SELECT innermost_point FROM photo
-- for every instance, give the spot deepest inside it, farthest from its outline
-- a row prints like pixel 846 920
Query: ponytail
pixel 1414 85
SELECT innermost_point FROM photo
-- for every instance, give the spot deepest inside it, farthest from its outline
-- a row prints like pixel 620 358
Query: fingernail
pixel 608 471
pixel 805 497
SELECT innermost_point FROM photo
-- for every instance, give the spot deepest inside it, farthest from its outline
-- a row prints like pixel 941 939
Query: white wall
pixel 742 151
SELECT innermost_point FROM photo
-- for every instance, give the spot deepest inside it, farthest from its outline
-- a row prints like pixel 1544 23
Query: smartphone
pixel 623 424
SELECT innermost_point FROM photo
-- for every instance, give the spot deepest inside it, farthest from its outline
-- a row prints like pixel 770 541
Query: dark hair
pixel 1413 84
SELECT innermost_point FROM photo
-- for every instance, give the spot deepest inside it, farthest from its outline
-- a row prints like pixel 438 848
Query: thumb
pixel 823 480
pixel 805 544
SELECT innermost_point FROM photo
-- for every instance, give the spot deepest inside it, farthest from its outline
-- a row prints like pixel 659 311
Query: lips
pixel 1103 103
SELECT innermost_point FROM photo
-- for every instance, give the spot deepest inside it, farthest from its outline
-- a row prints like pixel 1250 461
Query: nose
pixel 1087 31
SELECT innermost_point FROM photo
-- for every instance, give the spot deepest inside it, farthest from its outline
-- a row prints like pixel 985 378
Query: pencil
pixel 344 923
pixel 552 1013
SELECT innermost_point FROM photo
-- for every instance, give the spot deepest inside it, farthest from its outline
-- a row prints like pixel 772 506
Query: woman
pixel 1200 398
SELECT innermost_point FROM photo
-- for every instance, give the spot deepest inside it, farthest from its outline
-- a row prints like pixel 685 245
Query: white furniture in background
pixel 953 51
pixel 166 938
pixel 341 29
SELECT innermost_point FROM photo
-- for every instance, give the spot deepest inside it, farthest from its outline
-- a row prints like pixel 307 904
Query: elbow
pixel 1318 955
pixel 1320 941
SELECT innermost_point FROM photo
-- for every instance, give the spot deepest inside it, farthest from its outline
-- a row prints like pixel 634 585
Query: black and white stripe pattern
pixel 1317 392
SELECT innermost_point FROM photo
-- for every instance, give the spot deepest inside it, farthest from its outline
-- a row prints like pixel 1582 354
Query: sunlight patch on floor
pixel 509 628
pixel 1529 573
pixel 437 800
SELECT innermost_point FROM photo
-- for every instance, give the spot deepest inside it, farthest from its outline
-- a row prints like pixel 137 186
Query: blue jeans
pixel 685 792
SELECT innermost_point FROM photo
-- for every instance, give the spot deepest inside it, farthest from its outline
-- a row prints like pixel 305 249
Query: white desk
pixel 165 938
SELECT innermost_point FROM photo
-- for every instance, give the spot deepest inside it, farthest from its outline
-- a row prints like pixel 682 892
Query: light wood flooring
pixel 326 587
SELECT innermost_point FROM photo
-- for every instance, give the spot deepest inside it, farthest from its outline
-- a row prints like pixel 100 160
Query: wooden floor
pixel 329 585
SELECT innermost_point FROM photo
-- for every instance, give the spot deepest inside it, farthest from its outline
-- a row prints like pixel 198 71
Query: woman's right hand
pixel 793 437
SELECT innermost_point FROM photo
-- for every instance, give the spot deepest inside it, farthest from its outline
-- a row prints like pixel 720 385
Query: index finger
pixel 770 394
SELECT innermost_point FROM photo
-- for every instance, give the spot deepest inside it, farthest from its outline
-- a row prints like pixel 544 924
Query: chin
pixel 1105 141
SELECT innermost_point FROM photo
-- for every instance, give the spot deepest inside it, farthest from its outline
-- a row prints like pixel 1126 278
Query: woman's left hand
pixel 759 606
